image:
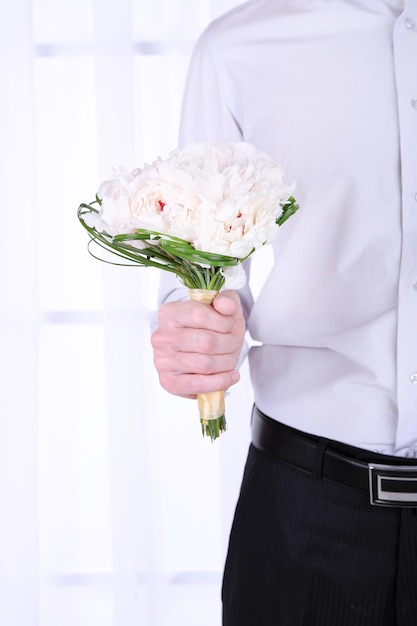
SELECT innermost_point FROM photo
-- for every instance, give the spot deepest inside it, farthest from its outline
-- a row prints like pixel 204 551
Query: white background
pixel 115 511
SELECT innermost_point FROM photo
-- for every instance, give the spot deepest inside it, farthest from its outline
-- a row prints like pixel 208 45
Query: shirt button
pixel 415 285
pixel 414 103
pixel 411 453
pixel 409 23
pixel 413 378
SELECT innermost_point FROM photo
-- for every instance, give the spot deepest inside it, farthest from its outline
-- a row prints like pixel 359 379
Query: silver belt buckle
pixel 393 485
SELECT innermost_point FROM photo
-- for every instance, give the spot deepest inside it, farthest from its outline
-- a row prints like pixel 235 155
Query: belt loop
pixel 320 451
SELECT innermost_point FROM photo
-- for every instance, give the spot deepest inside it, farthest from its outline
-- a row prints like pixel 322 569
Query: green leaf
pixel 194 268
pixel 288 209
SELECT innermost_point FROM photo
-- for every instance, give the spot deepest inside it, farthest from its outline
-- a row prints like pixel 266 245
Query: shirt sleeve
pixel 206 116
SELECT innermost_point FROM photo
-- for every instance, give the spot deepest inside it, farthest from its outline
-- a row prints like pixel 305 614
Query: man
pixel 323 535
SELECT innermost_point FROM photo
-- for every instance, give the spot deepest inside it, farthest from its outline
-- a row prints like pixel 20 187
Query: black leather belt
pixel 389 481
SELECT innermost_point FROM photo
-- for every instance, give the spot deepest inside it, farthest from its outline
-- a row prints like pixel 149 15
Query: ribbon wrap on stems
pixel 211 404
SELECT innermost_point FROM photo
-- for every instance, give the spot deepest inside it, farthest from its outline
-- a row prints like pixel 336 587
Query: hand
pixel 196 346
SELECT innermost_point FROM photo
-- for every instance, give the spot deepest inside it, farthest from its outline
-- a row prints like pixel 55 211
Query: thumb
pixel 227 303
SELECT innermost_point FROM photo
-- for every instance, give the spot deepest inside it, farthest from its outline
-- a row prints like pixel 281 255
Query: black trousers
pixel 306 552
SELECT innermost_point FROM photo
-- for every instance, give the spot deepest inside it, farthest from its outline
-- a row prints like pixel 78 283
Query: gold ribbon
pixel 211 404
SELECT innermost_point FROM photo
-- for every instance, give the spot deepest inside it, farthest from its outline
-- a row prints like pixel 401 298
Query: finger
pixel 227 303
pixel 194 363
pixel 193 315
pixel 195 340
pixel 189 385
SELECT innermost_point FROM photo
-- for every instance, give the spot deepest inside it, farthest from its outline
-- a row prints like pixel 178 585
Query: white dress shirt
pixel 329 88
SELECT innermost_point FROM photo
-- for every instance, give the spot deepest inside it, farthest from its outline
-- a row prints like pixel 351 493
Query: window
pixel 116 511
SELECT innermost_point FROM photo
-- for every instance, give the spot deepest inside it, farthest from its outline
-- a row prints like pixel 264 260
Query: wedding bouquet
pixel 198 214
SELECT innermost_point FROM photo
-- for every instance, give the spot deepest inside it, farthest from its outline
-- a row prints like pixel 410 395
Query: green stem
pixel 213 428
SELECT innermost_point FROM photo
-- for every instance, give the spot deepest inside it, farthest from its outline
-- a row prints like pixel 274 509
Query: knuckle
pixel 158 362
pixel 166 381
pixel 205 342
pixel 163 314
pixel 155 339
pixel 197 315
pixel 205 364
pixel 158 340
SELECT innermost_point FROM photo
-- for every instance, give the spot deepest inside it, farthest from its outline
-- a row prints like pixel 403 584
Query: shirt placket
pixel 405 52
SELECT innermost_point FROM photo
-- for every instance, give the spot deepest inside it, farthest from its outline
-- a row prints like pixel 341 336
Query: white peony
pixel 223 198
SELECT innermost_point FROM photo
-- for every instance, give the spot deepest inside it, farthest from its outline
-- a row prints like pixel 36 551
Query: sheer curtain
pixel 114 510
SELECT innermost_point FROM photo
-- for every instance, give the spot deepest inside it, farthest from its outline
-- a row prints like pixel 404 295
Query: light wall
pixel 115 511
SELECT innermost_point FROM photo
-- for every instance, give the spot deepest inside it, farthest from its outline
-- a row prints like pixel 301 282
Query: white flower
pixel 235 276
pixel 223 198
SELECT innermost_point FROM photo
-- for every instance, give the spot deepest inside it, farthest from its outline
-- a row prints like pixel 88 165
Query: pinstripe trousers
pixel 306 552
